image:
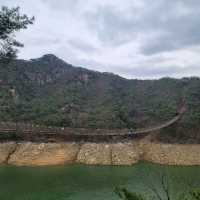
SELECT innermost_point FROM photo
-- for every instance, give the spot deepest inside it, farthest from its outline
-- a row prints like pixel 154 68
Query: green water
pixel 79 182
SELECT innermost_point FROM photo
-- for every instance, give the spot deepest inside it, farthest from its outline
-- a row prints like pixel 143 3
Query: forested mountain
pixel 50 91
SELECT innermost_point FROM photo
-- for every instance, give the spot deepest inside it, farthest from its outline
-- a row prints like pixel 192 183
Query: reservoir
pixel 82 182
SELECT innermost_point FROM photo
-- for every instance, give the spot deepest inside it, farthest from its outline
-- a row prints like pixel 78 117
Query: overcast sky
pixel 132 38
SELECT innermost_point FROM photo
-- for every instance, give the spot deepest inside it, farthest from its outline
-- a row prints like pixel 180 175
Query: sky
pixel 142 39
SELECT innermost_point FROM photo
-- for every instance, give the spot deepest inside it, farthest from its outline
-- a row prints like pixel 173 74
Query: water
pixel 79 182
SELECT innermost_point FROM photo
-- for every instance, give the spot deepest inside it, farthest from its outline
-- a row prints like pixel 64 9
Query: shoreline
pixel 120 153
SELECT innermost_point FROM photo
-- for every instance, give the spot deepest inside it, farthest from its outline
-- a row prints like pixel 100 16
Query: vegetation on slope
pixel 49 91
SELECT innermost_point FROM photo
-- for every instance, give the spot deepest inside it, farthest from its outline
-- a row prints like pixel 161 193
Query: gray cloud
pixel 179 30
pixel 176 22
pixel 157 72
pixel 81 45
pixel 110 25
pixel 134 38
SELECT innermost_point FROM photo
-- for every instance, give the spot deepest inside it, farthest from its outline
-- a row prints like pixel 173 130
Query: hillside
pixel 50 91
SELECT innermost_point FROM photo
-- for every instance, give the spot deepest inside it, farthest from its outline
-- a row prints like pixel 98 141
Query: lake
pixel 80 182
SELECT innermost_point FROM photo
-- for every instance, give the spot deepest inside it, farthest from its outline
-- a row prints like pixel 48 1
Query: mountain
pixel 50 91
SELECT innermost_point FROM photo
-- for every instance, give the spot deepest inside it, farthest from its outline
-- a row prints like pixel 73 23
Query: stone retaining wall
pixel 129 153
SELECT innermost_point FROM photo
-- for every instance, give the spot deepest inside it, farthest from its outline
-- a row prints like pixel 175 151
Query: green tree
pixel 125 194
pixel 11 21
pixel 194 195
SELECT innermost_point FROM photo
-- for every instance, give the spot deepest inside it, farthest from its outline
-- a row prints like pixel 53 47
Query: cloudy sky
pixel 133 38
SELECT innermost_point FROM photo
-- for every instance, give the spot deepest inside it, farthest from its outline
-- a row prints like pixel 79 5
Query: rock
pixel 40 154
pixel 95 154
pixel 172 154
pixel 125 154
pixel 5 150
pixel 128 153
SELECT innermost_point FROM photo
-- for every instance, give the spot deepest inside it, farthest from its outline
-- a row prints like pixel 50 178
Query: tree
pixel 11 21
pixel 124 194
pixel 195 194
pixel 162 187
pixel 165 187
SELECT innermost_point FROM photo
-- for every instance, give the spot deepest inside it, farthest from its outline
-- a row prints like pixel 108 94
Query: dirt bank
pixel 126 153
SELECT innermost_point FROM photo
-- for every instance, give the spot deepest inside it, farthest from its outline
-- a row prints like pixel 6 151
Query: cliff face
pixel 39 154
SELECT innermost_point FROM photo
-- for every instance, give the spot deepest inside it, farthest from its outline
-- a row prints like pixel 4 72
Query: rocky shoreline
pixel 126 153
